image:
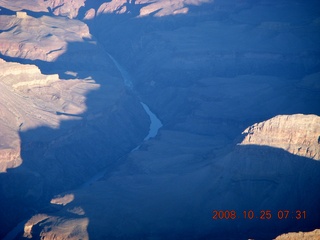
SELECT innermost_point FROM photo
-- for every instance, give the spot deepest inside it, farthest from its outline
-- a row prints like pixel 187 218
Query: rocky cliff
pixel 45 118
pixel 185 183
pixel 297 134
pixel 45 38
pixel 208 70
pixel 144 8
pixel 300 235
pixel 31 100
pixel 65 8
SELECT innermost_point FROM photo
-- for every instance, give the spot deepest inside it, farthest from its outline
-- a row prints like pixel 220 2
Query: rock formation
pixel 65 8
pixel 300 235
pixel 68 8
pixel 298 134
pixel 160 181
pixel 44 38
pixel 19 5
pixel 144 8
pixel 29 100
pixel 40 114
pixel 208 70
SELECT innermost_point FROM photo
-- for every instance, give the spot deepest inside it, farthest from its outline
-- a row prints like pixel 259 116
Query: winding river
pixel 155 125
pixel 155 122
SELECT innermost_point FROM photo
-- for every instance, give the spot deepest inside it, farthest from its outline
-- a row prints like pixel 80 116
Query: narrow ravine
pixel 155 125
pixel 155 121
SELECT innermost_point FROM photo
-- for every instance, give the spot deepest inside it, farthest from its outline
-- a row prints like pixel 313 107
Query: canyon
pixel 139 119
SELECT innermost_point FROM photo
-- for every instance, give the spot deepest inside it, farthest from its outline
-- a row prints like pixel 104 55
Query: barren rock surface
pixel 297 134
pixel 29 100
pixel 68 8
pixel 158 8
pixel 32 5
pixel 300 236
pixel 208 70
pixel 75 229
pixel 180 180
pixel 45 38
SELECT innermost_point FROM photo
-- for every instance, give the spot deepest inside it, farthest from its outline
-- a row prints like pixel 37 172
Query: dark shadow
pixel 5 11
pixel 270 190
pixel 57 160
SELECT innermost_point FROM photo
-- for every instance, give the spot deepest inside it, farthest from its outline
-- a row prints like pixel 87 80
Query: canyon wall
pixel 235 84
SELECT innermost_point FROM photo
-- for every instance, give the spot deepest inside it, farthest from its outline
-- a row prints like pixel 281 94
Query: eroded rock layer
pixel 208 70
pixel 45 38
pixel 30 100
pixel 298 134
pixel 300 235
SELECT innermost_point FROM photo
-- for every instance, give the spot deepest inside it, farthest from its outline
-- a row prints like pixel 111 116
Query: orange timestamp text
pixel 261 215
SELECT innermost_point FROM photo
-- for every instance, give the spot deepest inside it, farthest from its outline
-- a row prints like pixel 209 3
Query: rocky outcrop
pixel 62 200
pixel 90 14
pixel 300 235
pixel 19 5
pixel 31 222
pixel 72 230
pixel 67 8
pixel 29 100
pixel 64 8
pixel 44 38
pixel 206 86
pixel 71 8
pixel 298 134
pixel 143 8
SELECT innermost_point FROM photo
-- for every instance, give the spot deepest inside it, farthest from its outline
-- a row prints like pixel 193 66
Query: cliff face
pixel 65 8
pixel 44 120
pixel 31 100
pixel 158 8
pixel 300 235
pixel 68 8
pixel 208 70
pixel 169 175
pixel 46 117
pixel 298 134
pixel 44 38
pixel 71 8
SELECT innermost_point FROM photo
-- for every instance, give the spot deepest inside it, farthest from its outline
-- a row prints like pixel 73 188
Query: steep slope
pixel 164 185
pixel 300 235
pixel 208 74
pixel 297 134
pixel 158 8
pixel 30 100
pixel 45 119
pixel 45 38
pixel 67 8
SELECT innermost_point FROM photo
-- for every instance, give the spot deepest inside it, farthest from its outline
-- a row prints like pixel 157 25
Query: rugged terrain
pixel 297 134
pixel 300 236
pixel 235 84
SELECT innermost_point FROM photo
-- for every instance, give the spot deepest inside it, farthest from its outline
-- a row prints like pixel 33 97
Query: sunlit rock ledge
pixel 298 134
pixel 300 235
pixel 30 100
pixel 57 7
pixel 158 8
pixel 45 38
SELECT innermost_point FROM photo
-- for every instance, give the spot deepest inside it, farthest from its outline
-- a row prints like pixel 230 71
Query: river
pixel 155 122
pixel 155 125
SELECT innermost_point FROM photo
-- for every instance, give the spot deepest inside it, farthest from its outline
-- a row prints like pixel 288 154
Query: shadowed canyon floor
pixel 235 85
